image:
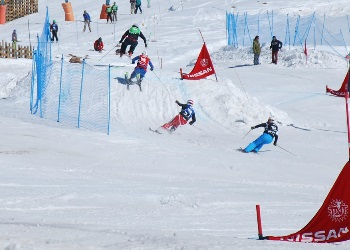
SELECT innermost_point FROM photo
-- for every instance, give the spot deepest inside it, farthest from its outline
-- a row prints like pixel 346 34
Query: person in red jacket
pixel 98 45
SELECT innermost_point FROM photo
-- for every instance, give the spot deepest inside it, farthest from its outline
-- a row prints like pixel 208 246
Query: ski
pixel 130 82
pixel 155 131
pixel 241 150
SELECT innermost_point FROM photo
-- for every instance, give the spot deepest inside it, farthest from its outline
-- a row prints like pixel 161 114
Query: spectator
pixel 132 6
pixel 138 6
pixel 276 45
pixel 98 45
pixel 256 50
pixel 114 12
pixel 14 39
pixel 109 13
pixel 87 20
pixel 54 30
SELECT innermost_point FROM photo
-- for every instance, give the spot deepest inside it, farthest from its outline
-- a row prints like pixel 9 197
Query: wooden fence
pixel 7 51
pixel 20 8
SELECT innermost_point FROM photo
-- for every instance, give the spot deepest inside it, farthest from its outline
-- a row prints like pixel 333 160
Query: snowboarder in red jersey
pixel 186 113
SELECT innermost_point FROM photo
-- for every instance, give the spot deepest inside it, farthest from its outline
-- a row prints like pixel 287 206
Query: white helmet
pixel 190 102
pixel 144 53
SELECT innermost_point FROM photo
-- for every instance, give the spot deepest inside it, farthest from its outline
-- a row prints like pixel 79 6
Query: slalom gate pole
pixel 106 54
pixel 246 134
pixel 285 150
pixel 258 219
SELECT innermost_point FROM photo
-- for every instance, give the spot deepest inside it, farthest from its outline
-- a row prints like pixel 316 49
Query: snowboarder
pixel 14 40
pixel 256 50
pixel 114 12
pixel 87 20
pixel 138 6
pixel 270 132
pixel 141 68
pixel 276 45
pixel 186 113
pixel 54 30
pixel 131 36
pixel 98 45
pixel 132 6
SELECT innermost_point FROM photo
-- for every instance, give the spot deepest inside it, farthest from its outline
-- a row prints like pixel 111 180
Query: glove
pixel 252 128
pixel 120 41
pixel 177 102
pixel 275 143
pixel 132 62
pixel 151 69
pixel 145 45
pixel 191 122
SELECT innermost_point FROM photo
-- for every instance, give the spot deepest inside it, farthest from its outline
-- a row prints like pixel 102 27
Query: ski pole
pixel 285 150
pixel 247 133
pixel 106 54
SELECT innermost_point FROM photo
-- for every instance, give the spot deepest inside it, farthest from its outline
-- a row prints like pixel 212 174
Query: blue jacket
pixel 86 17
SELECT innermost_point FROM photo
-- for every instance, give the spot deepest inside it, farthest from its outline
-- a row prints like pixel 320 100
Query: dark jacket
pixel 276 45
pixel 269 128
pixel 133 37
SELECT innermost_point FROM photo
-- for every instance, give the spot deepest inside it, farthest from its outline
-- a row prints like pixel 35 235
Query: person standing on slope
pixel 138 6
pixel 186 113
pixel 54 30
pixel 270 132
pixel 87 20
pixel 256 50
pixel 141 68
pixel 131 36
pixel 276 45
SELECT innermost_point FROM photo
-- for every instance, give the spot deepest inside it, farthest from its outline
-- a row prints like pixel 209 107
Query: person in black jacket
pixel 276 45
pixel 270 132
pixel 131 36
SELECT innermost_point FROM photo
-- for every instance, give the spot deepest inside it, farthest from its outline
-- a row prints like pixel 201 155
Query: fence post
pixel 81 92
pixel 109 99
pixel 60 93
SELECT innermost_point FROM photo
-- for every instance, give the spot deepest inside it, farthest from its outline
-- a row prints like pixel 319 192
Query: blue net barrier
pixel 291 30
pixel 71 93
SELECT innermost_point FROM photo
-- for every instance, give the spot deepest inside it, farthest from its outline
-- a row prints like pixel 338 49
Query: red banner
pixel 342 90
pixel 203 67
pixel 332 221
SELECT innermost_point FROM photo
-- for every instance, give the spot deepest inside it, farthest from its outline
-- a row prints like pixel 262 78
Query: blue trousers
pixel 136 71
pixel 258 143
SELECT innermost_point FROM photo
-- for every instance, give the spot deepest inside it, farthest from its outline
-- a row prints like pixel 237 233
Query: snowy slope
pixel 68 188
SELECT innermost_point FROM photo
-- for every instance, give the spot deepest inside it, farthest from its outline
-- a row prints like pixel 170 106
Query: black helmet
pixel 135 25
pixel 100 39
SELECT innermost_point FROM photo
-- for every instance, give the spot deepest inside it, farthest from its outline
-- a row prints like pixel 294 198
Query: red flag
pixel 305 49
pixel 343 89
pixel 332 221
pixel 203 67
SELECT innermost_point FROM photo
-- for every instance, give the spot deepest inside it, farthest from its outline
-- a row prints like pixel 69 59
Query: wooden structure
pixel 20 8
pixel 7 51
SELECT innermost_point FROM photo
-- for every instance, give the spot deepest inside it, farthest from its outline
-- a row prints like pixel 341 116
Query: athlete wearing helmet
pixel 270 132
pixel 141 68
pixel 186 113
pixel 131 36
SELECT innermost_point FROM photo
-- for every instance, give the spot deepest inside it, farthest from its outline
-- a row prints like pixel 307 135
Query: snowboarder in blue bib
pixel 270 132
pixel 186 113
pixel 131 36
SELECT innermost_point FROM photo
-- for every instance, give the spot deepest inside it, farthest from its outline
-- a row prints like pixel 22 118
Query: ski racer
pixel 131 36
pixel 141 68
pixel 270 132
pixel 186 113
